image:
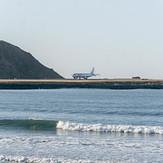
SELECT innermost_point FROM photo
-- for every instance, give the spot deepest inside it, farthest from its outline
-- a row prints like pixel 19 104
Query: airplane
pixel 84 75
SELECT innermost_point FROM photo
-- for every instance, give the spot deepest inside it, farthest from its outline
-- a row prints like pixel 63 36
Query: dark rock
pixel 16 63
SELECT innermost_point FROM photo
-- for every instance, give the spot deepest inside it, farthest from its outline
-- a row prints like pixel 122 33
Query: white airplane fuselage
pixel 83 75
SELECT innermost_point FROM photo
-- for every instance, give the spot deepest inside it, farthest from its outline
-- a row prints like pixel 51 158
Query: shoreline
pixel 91 83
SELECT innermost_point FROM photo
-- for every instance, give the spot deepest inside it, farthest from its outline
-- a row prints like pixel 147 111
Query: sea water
pixel 81 126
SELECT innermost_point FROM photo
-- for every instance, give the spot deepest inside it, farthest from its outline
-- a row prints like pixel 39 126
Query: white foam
pixel 110 128
pixel 45 160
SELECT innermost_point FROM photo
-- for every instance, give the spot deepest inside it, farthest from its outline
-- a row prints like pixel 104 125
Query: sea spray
pixel 46 160
pixel 109 128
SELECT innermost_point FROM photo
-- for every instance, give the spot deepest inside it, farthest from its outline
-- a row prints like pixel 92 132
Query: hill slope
pixel 16 63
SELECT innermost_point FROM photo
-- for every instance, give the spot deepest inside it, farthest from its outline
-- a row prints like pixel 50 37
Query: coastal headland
pixel 93 83
pixel 20 70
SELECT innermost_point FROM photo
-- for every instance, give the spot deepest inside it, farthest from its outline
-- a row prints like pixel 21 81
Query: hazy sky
pixel 120 38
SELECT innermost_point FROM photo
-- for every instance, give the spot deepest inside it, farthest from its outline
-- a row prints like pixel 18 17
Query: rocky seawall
pixel 99 84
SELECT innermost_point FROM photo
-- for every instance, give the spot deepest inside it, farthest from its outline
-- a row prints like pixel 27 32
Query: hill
pixel 16 63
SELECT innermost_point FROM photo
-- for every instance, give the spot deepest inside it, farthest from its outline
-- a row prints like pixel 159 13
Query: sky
pixel 120 38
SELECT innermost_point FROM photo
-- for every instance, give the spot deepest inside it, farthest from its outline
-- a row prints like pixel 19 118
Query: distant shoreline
pixel 93 83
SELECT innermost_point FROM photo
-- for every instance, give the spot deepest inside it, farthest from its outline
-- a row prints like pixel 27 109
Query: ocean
pixel 81 126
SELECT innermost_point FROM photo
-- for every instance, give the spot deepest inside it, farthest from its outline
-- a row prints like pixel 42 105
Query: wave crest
pixel 45 160
pixel 110 128
pixel 30 124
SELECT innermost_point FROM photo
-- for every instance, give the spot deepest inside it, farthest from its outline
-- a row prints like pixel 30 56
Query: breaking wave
pixel 109 128
pixel 45 160
pixel 29 124
pixel 51 125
